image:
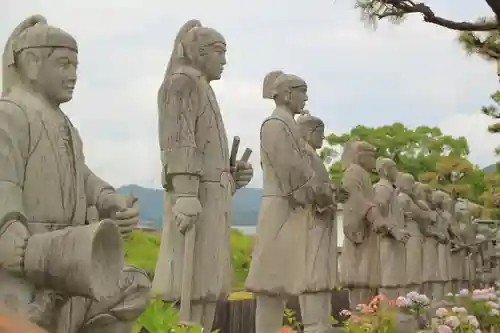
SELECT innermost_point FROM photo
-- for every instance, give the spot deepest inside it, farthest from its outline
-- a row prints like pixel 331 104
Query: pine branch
pixel 373 10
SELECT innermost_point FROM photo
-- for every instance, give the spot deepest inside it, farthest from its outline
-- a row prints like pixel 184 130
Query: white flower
pixel 452 321
pixel 492 304
pixel 441 312
pixel 449 294
pixel 473 321
pixel 494 312
pixel 422 299
pixel 459 310
pixel 463 292
pixel 412 296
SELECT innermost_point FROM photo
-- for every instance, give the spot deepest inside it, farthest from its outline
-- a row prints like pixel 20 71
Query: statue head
pixel 439 199
pixel 406 182
pixel 312 129
pixel 423 192
pixel 42 58
pixel 286 90
pixel 200 47
pixel 361 153
pixel 387 169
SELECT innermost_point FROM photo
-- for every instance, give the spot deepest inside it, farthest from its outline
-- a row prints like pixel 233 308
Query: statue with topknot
pixel 194 263
pixel 280 265
pixel 321 244
pixel 59 269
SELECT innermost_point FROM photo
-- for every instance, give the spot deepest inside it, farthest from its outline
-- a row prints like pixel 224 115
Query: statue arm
pixel 382 199
pixel 365 208
pixel 289 163
pixel 14 151
pixel 181 158
pixel 95 188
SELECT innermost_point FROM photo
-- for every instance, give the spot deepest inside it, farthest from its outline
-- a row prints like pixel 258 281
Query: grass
pixel 141 249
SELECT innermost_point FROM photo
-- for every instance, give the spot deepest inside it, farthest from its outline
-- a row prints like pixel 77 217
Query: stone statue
pixel 195 256
pixel 321 244
pixel 392 250
pixel 430 247
pixel 280 266
pixel 469 234
pixel 415 219
pixel 441 203
pixel 457 252
pixel 363 224
pixel 46 188
pixel 486 254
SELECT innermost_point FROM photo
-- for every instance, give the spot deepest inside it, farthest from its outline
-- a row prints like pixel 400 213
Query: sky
pixel 413 73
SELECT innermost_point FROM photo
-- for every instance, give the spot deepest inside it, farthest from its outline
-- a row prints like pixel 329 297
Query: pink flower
pixel 444 329
pixel 286 330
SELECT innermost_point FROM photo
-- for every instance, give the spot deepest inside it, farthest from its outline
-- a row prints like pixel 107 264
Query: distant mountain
pixel 490 168
pixel 246 204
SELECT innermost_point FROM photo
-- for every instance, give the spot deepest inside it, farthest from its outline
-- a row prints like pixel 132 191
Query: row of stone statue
pixel 61 251
pixel 402 235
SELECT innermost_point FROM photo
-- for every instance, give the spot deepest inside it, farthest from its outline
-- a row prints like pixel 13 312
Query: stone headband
pixel 40 35
pixel 309 121
pixel 277 80
pixel 190 37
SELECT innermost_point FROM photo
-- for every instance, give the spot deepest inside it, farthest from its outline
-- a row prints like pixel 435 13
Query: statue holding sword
pixel 199 177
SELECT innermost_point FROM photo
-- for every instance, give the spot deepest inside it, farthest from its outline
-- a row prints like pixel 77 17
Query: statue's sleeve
pixel 14 152
pixel 382 198
pixel 178 116
pixel 354 183
pixel 94 186
pixel 291 165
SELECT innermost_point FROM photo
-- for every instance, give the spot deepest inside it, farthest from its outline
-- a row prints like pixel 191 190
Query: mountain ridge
pixel 245 204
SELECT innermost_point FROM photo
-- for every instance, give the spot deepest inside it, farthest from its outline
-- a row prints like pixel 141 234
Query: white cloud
pixel 474 128
pixel 413 73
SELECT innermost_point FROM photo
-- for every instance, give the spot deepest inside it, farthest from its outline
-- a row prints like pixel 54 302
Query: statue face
pixel 213 59
pixel 317 137
pixel 57 75
pixel 392 173
pixel 367 160
pixel 297 99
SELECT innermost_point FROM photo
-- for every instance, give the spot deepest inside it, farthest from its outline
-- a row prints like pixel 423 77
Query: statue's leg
pixel 316 310
pixel 117 314
pixel 204 314
pixel 269 314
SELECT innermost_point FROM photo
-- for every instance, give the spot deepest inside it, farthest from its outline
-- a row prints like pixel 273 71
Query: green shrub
pixel 142 248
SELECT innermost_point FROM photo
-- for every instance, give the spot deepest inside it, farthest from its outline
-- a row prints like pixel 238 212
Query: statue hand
pixel 13 243
pixel 408 215
pixel 186 212
pixel 124 210
pixel 400 235
pixel 243 174
pixel 342 195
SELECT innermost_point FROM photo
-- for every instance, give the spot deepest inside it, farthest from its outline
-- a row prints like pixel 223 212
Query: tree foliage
pixel 425 152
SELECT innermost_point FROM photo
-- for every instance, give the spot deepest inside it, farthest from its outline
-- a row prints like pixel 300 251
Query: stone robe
pixel 457 258
pixel 443 249
pixel 413 224
pixel 193 140
pixel 279 260
pixel 322 262
pixel 430 249
pixel 392 252
pixel 45 182
pixel 360 254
